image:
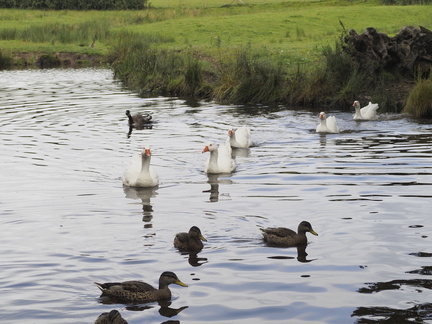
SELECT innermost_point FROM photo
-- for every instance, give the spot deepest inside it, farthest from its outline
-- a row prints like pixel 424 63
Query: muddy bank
pixel 61 59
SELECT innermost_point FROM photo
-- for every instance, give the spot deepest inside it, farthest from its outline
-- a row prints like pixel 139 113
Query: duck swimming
pixel 140 173
pixel 191 241
pixel 281 236
pixel 138 291
pixel 327 124
pixel 138 119
pixel 113 317
pixel 240 137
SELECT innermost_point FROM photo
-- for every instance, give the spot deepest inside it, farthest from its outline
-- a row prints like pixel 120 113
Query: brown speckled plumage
pixel 191 241
pixel 281 236
pixel 138 291
pixel 113 317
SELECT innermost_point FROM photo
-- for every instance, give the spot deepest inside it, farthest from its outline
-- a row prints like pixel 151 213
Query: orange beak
pixel 147 152
pixel 206 149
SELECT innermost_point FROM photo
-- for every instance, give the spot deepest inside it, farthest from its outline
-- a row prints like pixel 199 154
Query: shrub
pixel 419 102
pixel 6 60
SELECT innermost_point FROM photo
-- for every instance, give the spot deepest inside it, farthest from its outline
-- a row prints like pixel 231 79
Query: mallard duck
pixel 281 236
pixel 138 119
pixel 191 241
pixel 113 317
pixel 327 124
pixel 138 291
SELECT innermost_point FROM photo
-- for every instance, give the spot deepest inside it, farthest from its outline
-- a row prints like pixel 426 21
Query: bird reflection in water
pixel 301 255
pixel 240 152
pixel 145 194
pixel 214 181
pixel 194 260
pixel 131 128
pixel 114 316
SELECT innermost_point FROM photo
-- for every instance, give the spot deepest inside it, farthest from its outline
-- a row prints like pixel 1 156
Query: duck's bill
pixel 178 282
pixel 202 238
pixel 313 232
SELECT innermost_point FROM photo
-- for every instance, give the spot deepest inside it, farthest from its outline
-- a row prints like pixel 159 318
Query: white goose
pixel 240 137
pixel 327 124
pixel 220 160
pixel 368 112
pixel 140 173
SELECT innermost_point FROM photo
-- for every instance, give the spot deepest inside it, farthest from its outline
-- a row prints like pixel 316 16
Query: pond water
pixel 67 221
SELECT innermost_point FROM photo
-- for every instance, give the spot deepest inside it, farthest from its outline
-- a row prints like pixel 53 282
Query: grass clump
pixel 6 60
pixel 419 102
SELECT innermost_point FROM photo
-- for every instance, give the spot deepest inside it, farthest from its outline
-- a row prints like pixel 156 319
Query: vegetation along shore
pixel 296 53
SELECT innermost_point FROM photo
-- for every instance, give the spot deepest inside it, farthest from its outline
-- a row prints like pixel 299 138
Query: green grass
pixel 294 30
pixel 268 52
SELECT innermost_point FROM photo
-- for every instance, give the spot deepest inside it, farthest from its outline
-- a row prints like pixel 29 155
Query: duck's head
pixel 305 226
pixel 210 147
pixel 195 232
pixel 322 115
pixel 127 113
pixel 356 104
pixel 146 151
pixel 168 277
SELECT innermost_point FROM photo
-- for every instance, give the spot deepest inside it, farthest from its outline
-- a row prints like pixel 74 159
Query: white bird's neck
pixel 357 112
pixel 145 163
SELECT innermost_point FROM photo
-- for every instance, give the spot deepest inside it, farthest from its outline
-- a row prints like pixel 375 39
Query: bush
pixel 6 60
pixel 419 102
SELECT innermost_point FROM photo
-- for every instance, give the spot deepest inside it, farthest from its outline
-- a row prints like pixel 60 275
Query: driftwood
pixel 407 53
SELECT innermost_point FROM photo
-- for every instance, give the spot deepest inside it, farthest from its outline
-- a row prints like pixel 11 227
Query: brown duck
pixel 281 236
pixel 191 241
pixel 113 317
pixel 138 291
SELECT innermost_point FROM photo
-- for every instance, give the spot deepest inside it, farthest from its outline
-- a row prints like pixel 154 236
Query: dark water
pixel 66 220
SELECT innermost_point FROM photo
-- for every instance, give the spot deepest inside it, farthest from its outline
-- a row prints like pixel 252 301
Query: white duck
pixel 327 124
pixel 139 173
pixel 220 160
pixel 240 137
pixel 368 112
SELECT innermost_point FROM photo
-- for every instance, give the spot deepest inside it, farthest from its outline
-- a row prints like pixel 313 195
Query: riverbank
pixel 254 53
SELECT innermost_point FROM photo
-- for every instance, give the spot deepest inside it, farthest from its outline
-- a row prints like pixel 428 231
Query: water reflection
pixel 301 255
pixel 131 128
pixel 241 152
pixel 214 180
pixel 164 308
pixel 145 194
pixel 416 314
pixel 361 187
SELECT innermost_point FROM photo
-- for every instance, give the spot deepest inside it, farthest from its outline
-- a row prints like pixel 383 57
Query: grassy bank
pixel 278 51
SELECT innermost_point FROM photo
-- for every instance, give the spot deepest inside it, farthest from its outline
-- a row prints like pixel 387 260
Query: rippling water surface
pixel 67 221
